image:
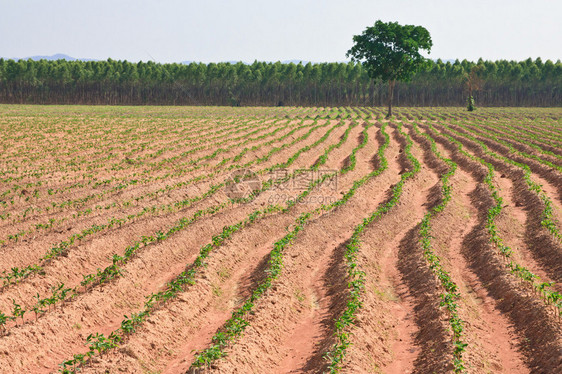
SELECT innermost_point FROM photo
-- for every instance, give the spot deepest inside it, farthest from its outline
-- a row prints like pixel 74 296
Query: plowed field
pixel 280 240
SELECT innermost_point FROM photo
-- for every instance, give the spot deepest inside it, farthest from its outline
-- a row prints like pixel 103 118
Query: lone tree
pixel 473 83
pixel 390 52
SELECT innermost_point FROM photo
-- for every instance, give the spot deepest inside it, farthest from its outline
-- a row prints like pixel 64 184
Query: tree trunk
pixel 391 84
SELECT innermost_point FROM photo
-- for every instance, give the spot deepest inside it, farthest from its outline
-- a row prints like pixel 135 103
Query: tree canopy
pixel 532 82
pixel 391 52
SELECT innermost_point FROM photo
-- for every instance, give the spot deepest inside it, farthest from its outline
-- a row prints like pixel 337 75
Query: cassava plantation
pixel 280 240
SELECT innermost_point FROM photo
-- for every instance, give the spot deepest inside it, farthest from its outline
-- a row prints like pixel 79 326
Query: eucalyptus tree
pixel 504 83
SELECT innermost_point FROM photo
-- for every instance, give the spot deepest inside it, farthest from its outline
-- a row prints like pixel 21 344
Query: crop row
pixel 513 150
pixel 82 184
pixel 548 221
pixel 166 189
pixel 450 295
pixel 543 289
pixel 355 276
pixel 521 136
pixel 59 249
pixel 110 152
pixel 114 270
pixel 186 278
pixel 146 177
pixel 237 323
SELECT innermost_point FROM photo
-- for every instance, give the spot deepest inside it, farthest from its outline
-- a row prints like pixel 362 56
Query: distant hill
pixel 304 62
pixel 58 56
pixel 296 62
pixel 62 56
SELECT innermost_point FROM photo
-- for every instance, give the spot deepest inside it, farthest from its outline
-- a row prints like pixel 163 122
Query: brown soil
pixel 95 250
pixel 400 327
pixel 237 289
pixel 548 174
pixel 389 344
pixel 538 332
pixel 306 296
pixel 491 340
pixel 146 273
pixel 520 222
pixel 100 216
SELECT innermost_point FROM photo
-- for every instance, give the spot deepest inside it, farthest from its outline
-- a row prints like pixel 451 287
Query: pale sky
pixel 248 30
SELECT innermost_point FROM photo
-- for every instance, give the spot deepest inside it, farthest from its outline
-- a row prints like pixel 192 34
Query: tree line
pixel 501 83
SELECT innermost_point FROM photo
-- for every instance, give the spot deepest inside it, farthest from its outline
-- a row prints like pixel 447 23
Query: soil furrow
pixel 549 174
pixel 70 268
pixel 133 194
pixel 490 337
pixel 308 298
pixel 117 177
pixel 433 337
pixel 410 263
pixel 542 149
pixel 144 274
pixel 521 222
pixel 539 334
pixel 551 190
pixel 116 236
pixel 233 290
